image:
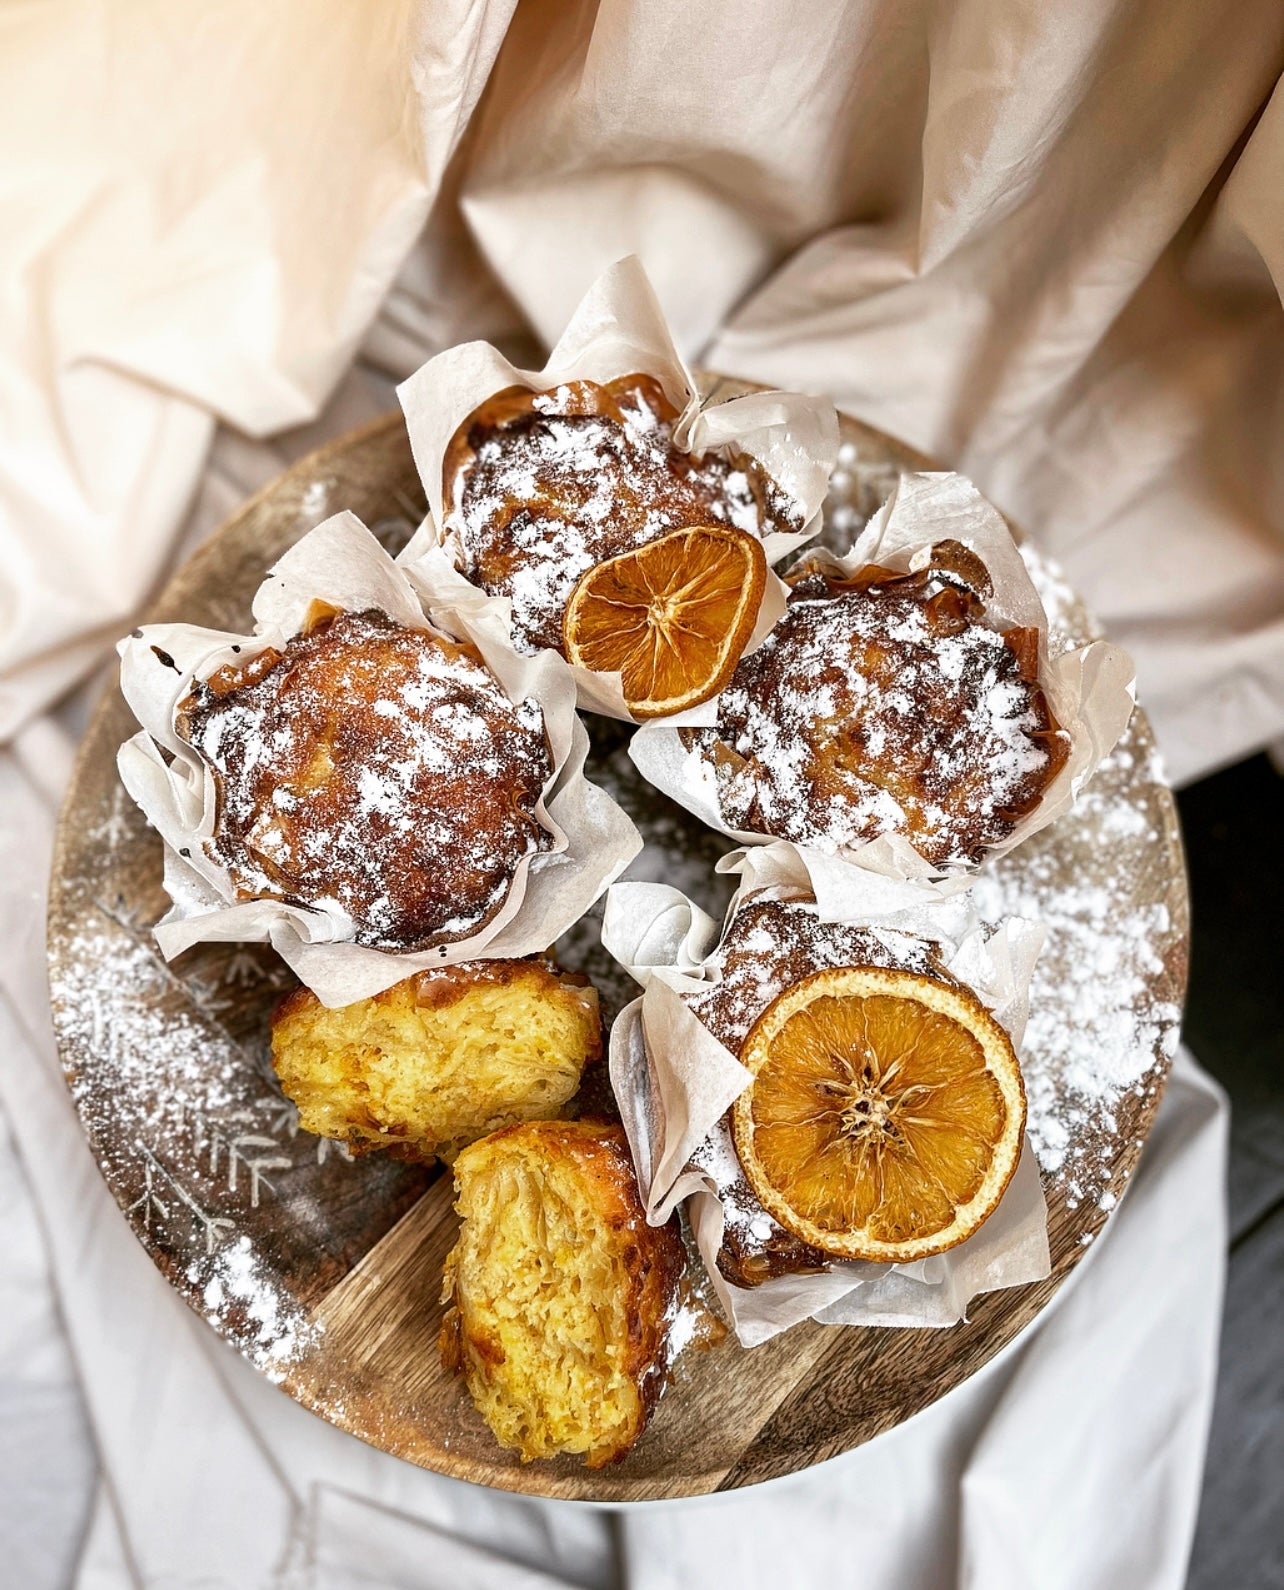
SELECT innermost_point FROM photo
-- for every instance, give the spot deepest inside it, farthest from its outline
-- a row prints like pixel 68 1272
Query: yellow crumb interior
pixel 541 1289
pixel 390 1071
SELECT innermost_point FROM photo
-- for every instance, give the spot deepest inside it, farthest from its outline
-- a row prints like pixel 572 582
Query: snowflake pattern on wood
pixel 132 915
pixel 151 1207
pixel 236 1153
pixel 116 826
pixel 284 1118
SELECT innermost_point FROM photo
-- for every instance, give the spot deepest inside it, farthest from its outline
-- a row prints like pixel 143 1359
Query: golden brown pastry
pixel 440 1059
pixel 886 704
pixel 379 768
pixel 562 1296
pixel 773 941
pixel 541 486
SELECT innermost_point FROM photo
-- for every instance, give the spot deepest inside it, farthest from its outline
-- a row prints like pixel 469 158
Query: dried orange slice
pixel 672 617
pixel 885 1116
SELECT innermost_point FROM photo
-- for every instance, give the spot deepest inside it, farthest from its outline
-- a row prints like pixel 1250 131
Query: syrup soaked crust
pixel 542 486
pixel 771 943
pixel 885 704
pixel 380 768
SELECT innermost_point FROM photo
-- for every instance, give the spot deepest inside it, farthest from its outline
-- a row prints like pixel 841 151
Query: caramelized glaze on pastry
pixel 541 486
pixel 376 767
pixel 562 1296
pixel 773 941
pixel 439 1059
pixel 885 704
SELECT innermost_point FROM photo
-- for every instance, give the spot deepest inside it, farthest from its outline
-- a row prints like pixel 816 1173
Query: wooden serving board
pixel 326 1271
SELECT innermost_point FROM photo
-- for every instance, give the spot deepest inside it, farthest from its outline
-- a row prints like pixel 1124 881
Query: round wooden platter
pixel 325 1271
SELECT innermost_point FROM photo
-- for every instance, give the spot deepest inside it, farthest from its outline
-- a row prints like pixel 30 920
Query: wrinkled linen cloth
pixel 137 1449
pixel 1044 244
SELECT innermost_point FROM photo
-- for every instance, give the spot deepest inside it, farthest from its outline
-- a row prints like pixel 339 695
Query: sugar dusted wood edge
pixel 372 1368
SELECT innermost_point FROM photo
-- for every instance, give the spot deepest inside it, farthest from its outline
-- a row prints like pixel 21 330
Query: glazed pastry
pixel 886 704
pixel 773 941
pixel 541 486
pixel 563 1298
pixel 377 767
pixel 440 1059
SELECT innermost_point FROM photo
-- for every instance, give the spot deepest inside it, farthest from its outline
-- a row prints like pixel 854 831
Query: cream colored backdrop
pixel 1044 242
pixel 1043 239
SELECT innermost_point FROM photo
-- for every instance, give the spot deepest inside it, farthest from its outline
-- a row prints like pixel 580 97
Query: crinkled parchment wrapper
pixel 619 329
pixel 341 563
pixel 1089 689
pixel 674 1082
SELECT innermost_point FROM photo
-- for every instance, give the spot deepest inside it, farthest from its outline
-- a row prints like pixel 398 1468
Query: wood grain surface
pixel 326 1271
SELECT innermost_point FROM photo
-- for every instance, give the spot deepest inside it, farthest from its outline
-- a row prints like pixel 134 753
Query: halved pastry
pixel 439 1059
pixel 563 1298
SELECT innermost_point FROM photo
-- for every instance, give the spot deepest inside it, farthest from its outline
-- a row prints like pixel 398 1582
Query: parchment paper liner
pixel 1089 689
pixel 674 1082
pixel 341 563
pixel 619 329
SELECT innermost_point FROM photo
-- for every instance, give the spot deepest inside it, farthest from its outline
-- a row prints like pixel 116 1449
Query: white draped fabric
pixel 1043 243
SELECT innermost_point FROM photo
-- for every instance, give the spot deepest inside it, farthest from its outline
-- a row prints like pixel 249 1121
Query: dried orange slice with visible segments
pixel 672 617
pixel 885 1116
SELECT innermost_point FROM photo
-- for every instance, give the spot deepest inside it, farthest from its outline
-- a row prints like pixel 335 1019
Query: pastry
pixel 376 767
pixel 562 1297
pixel 885 704
pixel 774 940
pixel 539 487
pixel 439 1059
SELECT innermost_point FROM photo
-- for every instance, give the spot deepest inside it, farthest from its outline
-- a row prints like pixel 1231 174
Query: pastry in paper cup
pixel 364 782
pixel 536 479
pixel 676 1075
pixel 905 713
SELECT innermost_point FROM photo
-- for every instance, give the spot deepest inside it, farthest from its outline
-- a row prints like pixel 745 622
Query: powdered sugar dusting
pixel 772 942
pixel 586 474
pixel 188 1126
pixel 266 1325
pixel 892 709
pixel 746 1224
pixel 169 1071
pixel 1104 1001
pixel 378 768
